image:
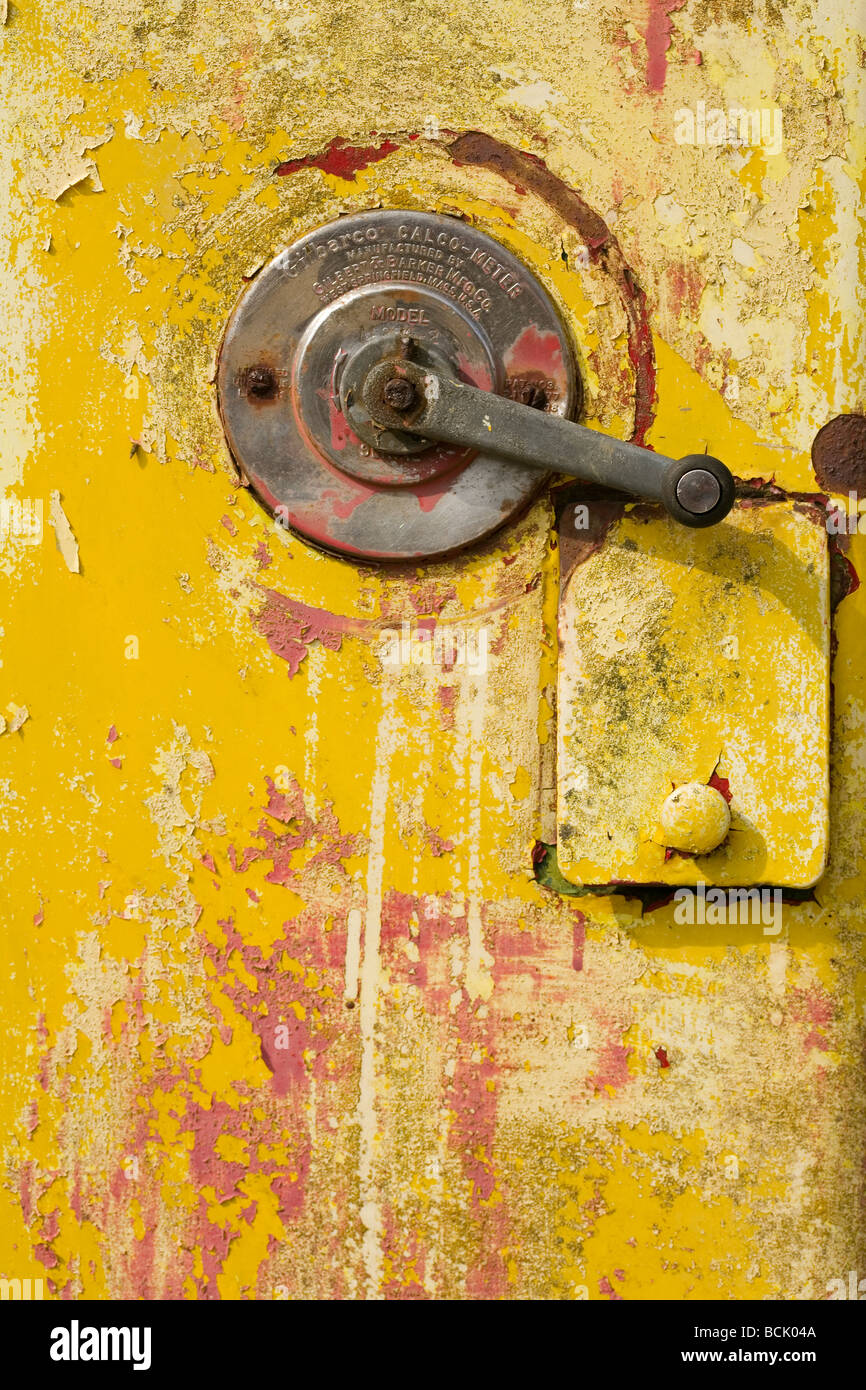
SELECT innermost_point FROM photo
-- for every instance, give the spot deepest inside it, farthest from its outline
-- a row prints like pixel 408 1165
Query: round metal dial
pixel 367 284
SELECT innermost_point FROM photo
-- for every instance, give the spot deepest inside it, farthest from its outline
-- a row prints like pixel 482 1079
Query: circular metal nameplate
pixel 361 284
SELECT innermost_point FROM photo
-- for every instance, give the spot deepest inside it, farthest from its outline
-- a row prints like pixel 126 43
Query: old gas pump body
pixel 426 883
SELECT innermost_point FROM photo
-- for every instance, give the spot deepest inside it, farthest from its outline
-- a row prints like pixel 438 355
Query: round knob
pixel 695 818
pixel 698 490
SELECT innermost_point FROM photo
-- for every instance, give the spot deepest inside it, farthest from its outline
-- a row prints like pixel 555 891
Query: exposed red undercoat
pixel 339 158
pixel 290 627
pixel 657 35
pixel 612 1061
pixel 722 785
pixel 814 1010
pixel 406 1257
pixel 578 939
pixel 312 1041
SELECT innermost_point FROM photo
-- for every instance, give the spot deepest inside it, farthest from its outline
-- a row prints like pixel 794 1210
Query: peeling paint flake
pixel 63 533
pixel 70 167
pixel 16 717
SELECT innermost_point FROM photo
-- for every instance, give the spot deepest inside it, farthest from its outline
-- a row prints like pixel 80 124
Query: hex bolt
pixel 260 381
pixel 399 393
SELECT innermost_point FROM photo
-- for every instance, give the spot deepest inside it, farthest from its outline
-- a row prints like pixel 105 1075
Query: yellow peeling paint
pixel 195 1102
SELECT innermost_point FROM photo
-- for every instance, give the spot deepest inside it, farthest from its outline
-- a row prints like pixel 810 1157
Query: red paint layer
pixel 578 940
pixel 340 158
pixel 534 351
pixel 721 784
pixel 612 1067
pixel 657 35
pixel 290 627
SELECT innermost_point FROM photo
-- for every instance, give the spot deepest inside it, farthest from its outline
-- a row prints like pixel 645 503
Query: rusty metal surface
pixel 342 290
pixel 839 455
pixel 696 491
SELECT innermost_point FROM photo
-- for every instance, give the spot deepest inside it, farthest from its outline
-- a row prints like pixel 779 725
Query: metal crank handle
pixel 697 490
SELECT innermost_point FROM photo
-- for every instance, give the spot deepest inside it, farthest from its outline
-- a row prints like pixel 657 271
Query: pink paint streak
pixel 657 36
pixel 578 940
pixel 612 1066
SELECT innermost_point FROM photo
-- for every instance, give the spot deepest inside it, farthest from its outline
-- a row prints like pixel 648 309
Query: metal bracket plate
pixel 696 657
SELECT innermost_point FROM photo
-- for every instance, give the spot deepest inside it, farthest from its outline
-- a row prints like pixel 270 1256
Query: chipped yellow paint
pixel 685 656
pixel 533 1095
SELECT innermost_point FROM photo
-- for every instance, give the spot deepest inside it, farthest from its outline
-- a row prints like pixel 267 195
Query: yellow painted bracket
pixel 697 657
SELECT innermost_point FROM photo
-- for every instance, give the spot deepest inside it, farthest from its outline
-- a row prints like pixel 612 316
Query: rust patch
pixel 844 579
pixel 839 454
